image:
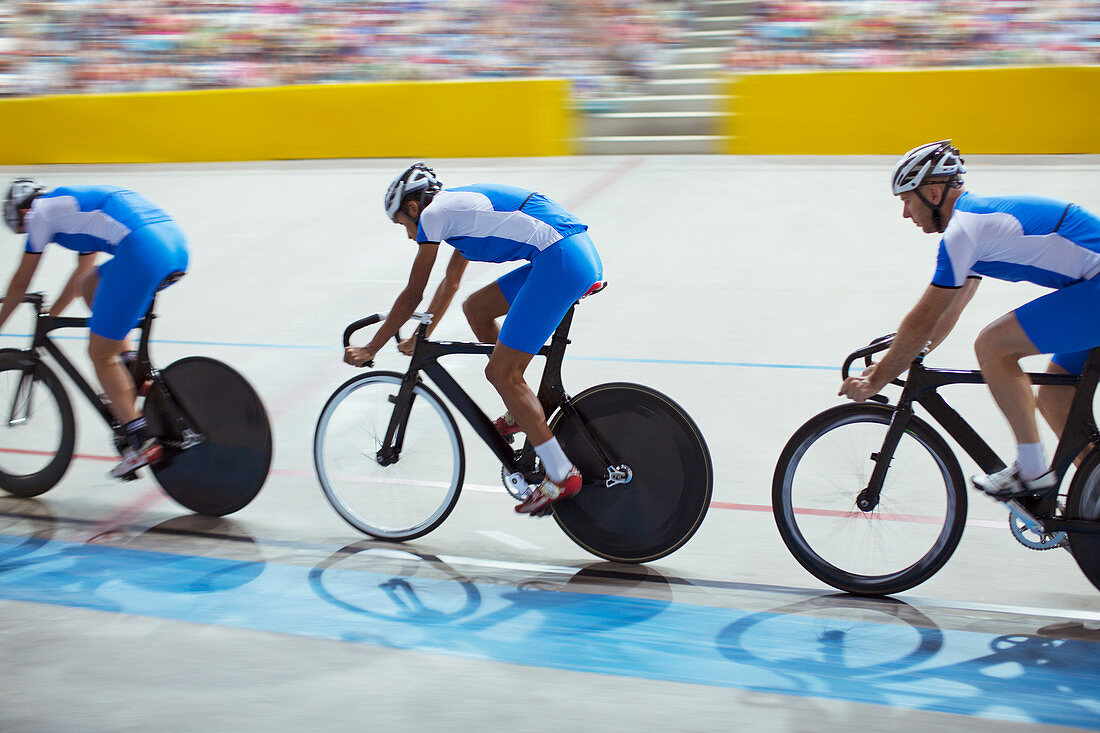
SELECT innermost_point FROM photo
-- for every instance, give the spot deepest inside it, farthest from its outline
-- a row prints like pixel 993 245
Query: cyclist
pixel 147 247
pixel 1051 243
pixel 494 223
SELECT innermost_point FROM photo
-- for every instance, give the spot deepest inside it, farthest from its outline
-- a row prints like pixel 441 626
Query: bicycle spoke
pixel 904 538
pixel 416 489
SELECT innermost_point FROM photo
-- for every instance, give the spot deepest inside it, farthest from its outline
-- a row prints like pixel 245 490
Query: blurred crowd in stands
pixel 798 34
pixel 77 46
pixel 59 46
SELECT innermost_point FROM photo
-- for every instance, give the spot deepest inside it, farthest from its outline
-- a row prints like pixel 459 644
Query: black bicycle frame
pixel 425 358
pixel 142 370
pixel 920 387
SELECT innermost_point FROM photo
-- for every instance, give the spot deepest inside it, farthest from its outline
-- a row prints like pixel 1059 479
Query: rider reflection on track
pixel 146 247
pixel 495 223
pixel 1051 243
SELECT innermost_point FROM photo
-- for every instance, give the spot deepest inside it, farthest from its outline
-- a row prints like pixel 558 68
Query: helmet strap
pixel 937 215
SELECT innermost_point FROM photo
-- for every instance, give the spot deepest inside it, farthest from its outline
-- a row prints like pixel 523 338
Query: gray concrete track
pixel 737 286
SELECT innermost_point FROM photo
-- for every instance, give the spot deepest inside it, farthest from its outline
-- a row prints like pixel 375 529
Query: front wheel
pixel 666 472
pixel 37 429
pixel 1083 502
pixel 395 497
pixel 224 472
pixel 898 544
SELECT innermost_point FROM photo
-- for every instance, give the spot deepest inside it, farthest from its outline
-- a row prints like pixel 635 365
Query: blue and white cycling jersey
pixel 1044 241
pixel 87 218
pixel 492 223
pixel 145 244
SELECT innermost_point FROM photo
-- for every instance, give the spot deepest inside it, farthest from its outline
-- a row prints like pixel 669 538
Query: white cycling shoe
pixel 1008 484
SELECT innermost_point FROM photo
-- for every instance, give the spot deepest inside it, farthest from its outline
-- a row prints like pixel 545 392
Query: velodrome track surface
pixel 737 286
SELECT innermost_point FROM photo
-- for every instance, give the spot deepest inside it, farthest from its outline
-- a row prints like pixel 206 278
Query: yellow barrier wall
pixel 417 119
pixel 1002 110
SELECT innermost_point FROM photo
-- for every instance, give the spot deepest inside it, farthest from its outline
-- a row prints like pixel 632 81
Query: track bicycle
pixel 210 421
pixel 390 459
pixel 870 498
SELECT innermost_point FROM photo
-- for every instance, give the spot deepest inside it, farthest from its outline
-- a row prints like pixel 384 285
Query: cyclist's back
pixel 496 223
pixel 88 218
pixel 1041 240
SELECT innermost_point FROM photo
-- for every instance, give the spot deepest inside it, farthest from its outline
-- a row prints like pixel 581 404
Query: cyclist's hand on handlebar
pixel 358 356
pixel 406 346
pixel 858 389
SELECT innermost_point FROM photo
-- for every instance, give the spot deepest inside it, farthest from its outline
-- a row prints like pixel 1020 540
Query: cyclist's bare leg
pixel 505 373
pixel 999 348
pixel 113 376
pixel 1054 404
pixel 482 310
pixel 104 352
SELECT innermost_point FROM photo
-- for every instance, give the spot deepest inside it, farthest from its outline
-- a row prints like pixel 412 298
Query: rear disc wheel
pixel 226 471
pixel 664 472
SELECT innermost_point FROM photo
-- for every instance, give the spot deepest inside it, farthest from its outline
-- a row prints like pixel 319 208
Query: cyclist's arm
pixel 914 333
pixel 948 320
pixel 445 293
pixel 405 304
pixel 19 283
pixel 84 261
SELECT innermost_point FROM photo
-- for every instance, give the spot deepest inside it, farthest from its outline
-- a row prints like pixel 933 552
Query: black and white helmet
pixel 934 160
pixel 20 194
pixel 417 177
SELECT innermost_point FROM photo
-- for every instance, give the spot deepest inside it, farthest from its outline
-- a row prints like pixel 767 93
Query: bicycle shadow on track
pixel 148 561
pixel 886 652
pixel 395 584
pixel 32 519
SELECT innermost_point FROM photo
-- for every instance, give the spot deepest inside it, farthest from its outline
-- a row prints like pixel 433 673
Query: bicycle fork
pixel 868 498
pixel 21 405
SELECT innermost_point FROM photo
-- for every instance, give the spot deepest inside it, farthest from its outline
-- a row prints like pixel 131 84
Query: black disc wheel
pixel 1083 502
pixel 900 542
pixel 662 476
pixel 37 429
pixel 224 472
pixel 402 496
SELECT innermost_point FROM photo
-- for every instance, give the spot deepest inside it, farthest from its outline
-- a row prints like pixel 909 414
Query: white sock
pixel 1031 460
pixel 553 460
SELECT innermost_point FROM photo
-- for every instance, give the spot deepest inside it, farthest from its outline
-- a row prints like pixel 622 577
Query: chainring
pixel 1033 540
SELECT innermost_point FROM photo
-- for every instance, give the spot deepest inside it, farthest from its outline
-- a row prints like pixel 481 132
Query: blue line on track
pixel 799 649
pixel 330 347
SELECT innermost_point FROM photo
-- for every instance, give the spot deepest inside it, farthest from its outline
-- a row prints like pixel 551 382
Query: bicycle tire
pixel 1083 502
pixel 669 493
pixel 226 471
pixel 32 462
pixel 407 498
pixel 862 541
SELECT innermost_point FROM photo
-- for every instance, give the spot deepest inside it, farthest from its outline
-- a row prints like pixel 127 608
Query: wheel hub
pixel 617 475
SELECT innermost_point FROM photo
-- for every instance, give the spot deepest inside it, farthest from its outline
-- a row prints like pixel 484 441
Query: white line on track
pixel 924 604
pixel 507 539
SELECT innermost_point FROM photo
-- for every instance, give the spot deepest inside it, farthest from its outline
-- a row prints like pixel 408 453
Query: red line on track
pixel 625 167
pixel 913 518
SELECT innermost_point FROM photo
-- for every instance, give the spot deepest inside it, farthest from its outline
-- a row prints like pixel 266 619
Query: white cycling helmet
pixel 20 194
pixel 417 177
pixel 934 160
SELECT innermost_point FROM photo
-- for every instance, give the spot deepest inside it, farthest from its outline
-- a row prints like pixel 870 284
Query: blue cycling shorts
pixel 129 280
pixel 540 293
pixel 1065 323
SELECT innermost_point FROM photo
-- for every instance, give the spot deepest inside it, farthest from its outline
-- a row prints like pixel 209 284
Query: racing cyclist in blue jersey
pixel 146 247
pixel 1051 243
pixel 493 223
